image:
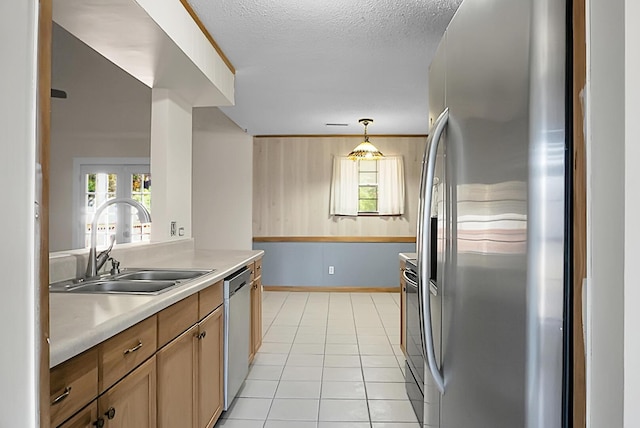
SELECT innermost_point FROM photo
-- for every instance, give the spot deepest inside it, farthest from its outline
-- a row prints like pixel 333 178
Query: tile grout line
pixel 288 355
pixel 324 357
pixel 364 383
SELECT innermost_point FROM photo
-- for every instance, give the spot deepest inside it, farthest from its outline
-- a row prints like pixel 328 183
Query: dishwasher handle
pixel 232 292
pixel 236 281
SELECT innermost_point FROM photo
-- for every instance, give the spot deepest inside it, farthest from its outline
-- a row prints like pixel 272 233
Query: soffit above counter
pixel 156 41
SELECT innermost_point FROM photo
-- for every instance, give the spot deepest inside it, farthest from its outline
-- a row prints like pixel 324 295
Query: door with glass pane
pixel 100 183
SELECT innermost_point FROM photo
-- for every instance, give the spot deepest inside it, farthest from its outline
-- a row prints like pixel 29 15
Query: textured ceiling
pixel 301 64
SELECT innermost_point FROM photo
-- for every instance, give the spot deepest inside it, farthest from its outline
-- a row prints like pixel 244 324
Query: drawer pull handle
pixel 62 396
pixel 134 349
pixel 110 413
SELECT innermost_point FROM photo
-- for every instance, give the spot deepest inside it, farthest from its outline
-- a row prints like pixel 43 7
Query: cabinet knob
pixel 99 423
pixel 202 335
pixel 110 414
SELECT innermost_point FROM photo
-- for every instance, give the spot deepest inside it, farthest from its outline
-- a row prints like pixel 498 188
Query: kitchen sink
pixel 122 286
pixel 160 274
pixel 130 281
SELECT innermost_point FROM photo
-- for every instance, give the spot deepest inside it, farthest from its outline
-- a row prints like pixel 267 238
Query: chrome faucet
pixel 96 262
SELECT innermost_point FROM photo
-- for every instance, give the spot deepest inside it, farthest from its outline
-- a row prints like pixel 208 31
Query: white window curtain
pixel 391 186
pixel 344 187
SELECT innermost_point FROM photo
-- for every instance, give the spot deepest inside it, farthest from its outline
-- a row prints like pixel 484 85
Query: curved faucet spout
pixel 143 215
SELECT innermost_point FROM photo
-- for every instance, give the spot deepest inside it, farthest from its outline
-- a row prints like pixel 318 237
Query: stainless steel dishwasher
pixel 237 307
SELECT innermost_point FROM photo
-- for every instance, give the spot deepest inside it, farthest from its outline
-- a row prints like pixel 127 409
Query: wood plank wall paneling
pixel 292 179
pixel 579 211
pixel 45 29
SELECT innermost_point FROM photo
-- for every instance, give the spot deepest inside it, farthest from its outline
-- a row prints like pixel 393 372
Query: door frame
pixel 45 28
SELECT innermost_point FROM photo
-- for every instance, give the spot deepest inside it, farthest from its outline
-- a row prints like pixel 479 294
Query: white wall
pixel 632 217
pixel 171 143
pixel 222 182
pixel 107 114
pixel 18 315
pixel 606 192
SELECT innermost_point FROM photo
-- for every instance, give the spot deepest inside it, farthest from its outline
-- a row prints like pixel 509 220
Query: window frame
pixel 82 166
pixel 361 185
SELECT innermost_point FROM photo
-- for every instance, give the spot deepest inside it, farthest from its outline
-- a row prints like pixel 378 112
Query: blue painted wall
pixel 355 264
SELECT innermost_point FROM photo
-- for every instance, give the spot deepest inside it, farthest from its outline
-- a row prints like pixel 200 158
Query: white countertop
pixel 81 321
pixel 406 256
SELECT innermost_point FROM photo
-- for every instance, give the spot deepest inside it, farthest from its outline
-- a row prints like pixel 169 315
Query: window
pixel 101 182
pixel 367 187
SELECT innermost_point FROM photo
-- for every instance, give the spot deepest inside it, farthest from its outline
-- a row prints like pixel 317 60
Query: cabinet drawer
pixel 73 385
pixel 176 319
pixel 210 299
pixel 124 352
pixel 258 268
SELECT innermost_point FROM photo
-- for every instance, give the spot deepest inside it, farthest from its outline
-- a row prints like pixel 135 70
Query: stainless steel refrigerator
pixel 492 315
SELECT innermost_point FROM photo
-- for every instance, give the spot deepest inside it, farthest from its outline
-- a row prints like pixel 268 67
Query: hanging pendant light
pixel 365 150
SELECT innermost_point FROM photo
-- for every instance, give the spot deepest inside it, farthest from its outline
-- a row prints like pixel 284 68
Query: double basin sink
pixel 130 281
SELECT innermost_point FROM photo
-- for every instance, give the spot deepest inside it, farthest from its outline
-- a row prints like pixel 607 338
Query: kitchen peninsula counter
pixel 81 321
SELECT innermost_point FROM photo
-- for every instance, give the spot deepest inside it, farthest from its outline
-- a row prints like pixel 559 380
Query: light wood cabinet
pixel 72 385
pixel 131 403
pixel 403 309
pixel 125 351
pixel 210 368
pixel 176 319
pixel 177 381
pixel 210 299
pixel 255 340
pixel 86 418
pixel 190 372
pixel 166 371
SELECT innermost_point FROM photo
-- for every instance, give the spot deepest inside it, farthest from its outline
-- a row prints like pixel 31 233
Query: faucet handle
pixel 115 266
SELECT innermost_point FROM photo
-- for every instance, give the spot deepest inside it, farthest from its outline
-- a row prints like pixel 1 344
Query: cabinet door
pixel 256 325
pixel 210 368
pixel 176 381
pixel 252 322
pixel 86 418
pixel 131 403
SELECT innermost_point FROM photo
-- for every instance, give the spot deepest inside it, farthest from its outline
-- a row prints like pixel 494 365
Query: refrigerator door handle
pixel 424 247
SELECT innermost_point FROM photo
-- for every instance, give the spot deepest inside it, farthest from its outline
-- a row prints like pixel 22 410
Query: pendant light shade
pixel 365 150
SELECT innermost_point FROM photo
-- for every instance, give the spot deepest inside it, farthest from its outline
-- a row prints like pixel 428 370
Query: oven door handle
pixel 410 281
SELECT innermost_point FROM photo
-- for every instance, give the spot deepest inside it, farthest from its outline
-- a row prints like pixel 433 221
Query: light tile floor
pixel 328 360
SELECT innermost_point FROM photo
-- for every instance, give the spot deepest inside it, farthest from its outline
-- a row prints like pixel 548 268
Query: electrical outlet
pixel 173 228
pixel 331 270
